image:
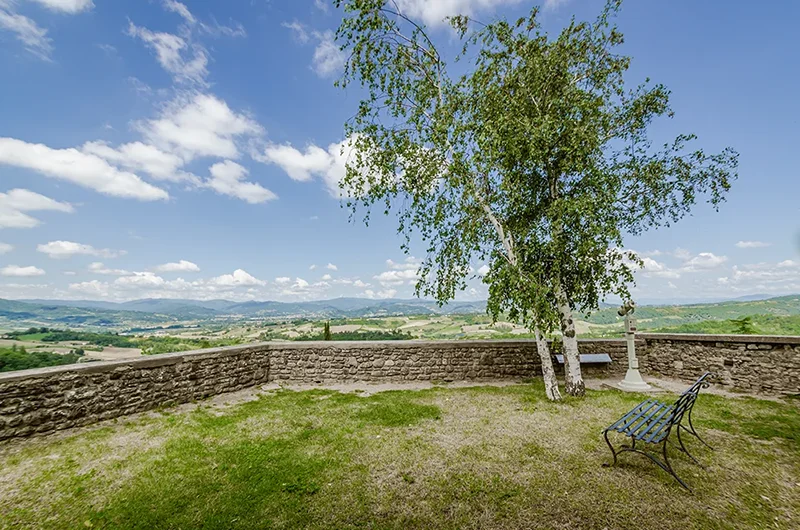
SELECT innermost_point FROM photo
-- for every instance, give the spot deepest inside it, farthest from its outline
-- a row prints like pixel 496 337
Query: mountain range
pixel 16 314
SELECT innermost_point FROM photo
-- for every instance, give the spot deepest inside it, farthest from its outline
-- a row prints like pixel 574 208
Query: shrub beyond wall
pixel 49 399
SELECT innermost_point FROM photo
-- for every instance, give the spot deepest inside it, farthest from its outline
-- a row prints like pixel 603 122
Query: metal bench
pixel 588 358
pixel 652 421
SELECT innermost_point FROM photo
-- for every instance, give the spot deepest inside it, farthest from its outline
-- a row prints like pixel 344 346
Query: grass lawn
pixel 482 457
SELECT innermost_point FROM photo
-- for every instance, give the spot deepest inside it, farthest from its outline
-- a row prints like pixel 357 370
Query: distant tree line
pixel 15 358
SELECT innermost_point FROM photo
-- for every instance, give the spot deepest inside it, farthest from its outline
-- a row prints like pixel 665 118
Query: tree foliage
pixel 535 158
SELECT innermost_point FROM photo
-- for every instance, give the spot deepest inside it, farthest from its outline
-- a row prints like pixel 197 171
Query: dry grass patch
pixel 484 457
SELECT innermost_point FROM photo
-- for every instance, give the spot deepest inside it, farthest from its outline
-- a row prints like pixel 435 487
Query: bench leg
pixel 686 451
pixel 665 465
pixel 668 467
pixel 692 430
pixel 613 452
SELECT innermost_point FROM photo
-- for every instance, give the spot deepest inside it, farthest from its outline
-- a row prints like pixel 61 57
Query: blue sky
pixel 166 149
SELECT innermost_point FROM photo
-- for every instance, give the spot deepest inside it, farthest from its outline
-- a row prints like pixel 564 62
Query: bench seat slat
pixel 648 420
pixel 589 358
pixel 634 415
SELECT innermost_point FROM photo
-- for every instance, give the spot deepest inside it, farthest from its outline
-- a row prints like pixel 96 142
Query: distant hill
pixel 177 312
pixel 650 317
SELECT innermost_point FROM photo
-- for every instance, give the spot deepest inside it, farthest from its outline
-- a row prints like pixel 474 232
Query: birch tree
pixel 534 159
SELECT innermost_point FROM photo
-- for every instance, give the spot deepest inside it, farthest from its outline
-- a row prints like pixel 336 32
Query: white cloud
pixel 15 203
pixel 66 6
pixel 322 5
pixel 704 261
pixel 399 273
pixel 181 9
pixel 299 32
pixel 21 272
pixel 227 178
pixel 330 166
pixel 79 168
pixel 67 249
pixel 682 253
pixel 652 268
pixel 325 277
pixel 199 125
pixel 180 266
pixel 138 156
pixel 93 288
pixel 328 58
pixel 220 30
pixel 752 244
pixel 359 283
pixel 100 268
pixel 283 280
pixel 434 12
pixel 5 248
pixel 139 280
pixel 552 5
pixel 28 32
pixel 237 279
pixel 483 270
pixel 187 62
pixel 331 267
pixel 386 293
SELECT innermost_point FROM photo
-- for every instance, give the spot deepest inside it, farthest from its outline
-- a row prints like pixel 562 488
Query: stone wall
pixel 752 363
pixel 49 399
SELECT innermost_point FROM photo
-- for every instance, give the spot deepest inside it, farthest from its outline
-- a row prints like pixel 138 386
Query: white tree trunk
pixel 548 373
pixel 573 379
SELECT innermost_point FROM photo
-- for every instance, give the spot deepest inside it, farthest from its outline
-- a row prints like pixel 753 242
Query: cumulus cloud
pixel 94 289
pixel 138 280
pixel 283 280
pixel 704 261
pixel 199 125
pixel 67 249
pixel 15 203
pixel 227 178
pixel 66 6
pixel 752 244
pixel 328 165
pixel 483 270
pixel 21 272
pixel 239 278
pixel 331 267
pixel 5 248
pixel 100 268
pixel 325 277
pixel 79 168
pixel 180 266
pixel 138 156
pixel 399 273
pixel 385 293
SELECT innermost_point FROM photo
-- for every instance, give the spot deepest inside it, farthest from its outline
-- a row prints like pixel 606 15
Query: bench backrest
pixel 683 405
pixel 702 382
